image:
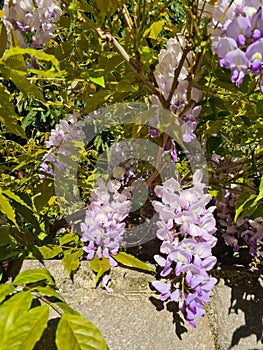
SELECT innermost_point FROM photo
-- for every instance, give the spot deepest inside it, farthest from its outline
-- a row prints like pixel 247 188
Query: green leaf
pixel 14 51
pixel 99 80
pixel 49 292
pixel 95 101
pixel 16 198
pixel 34 275
pixel 248 199
pixel 66 308
pixel 43 192
pixel 9 118
pixel 69 238
pixel 5 289
pixel 3 38
pixel 100 266
pixel 7 252
pixel 21 82
pixel 154 31
pixel 6 208
pixel 71 261
pixel 106 7
pixel 75 332
pixel 130 261
pixel 49 252
pixel 10 310
pixel 258 213
pixel 27 330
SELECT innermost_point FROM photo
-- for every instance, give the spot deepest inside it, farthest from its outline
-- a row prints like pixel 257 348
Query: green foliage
pixel 100 267
pixel 23 323
pixel 27 329
pixel 75 332
pixel 250 204
pixel 36 275
pixel 129 260
pixel 71 262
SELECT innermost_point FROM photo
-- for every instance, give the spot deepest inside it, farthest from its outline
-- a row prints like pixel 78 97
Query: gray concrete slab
pixel 237 310
pixel 131 318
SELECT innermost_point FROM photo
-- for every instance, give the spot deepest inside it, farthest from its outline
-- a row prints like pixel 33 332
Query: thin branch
pixel 108 37
pixel 127 18
pixel 221 17
pixel 176 76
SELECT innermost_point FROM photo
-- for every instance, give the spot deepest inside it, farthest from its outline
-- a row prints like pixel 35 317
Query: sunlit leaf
pixel 130 261
pixel 10 310
pixel 49 292
pixel 27 329
pixel 3 38
pixel 7 209
pixel 248 200
pixel 99 81
pixel 34 275
pixel 100 266
pixel 13 51
pixel 49 252
pixel 68 238
pixel 5 289
pixel 75 332
pixel 71 262
pixel 155 29
pixel 16 198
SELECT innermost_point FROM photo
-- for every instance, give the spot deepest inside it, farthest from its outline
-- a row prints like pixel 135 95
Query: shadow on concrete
pixel 172 307
pixel 247 297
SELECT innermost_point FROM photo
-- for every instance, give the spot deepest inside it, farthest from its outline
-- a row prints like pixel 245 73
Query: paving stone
pixel 131 318
pixel 237 311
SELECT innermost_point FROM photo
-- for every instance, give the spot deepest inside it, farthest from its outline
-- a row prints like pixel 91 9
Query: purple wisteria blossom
pixel 104 225
pixel 34 21
pixel 238 38
pixel 245 231
pixel 66 132
pixel 164 73
pixel 185 227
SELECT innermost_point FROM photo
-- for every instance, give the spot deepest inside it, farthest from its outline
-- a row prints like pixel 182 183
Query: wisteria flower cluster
pixel 186 227
pixel 34 21
pixel 169 60
pixel 245 231
pixel 66 132
pixel 104 224
pixel 238 38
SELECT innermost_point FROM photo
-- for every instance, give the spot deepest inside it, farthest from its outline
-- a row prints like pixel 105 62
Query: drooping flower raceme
pixel 245 231
pixel 34 21
pixel 238 38
pixel 186 228
pixel 169 60
pixel 104 224
pixel 66 132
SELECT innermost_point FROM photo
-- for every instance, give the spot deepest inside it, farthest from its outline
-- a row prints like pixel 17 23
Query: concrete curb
pixel 133 318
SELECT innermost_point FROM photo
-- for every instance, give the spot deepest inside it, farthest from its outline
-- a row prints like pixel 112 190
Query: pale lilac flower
pixel 254 55
pixel 38 18
pixel 239 30
pixel 244 231
pixel 103 227
pixel 238 38
pixel 169 59
pixel 62 142
pixel 186 228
